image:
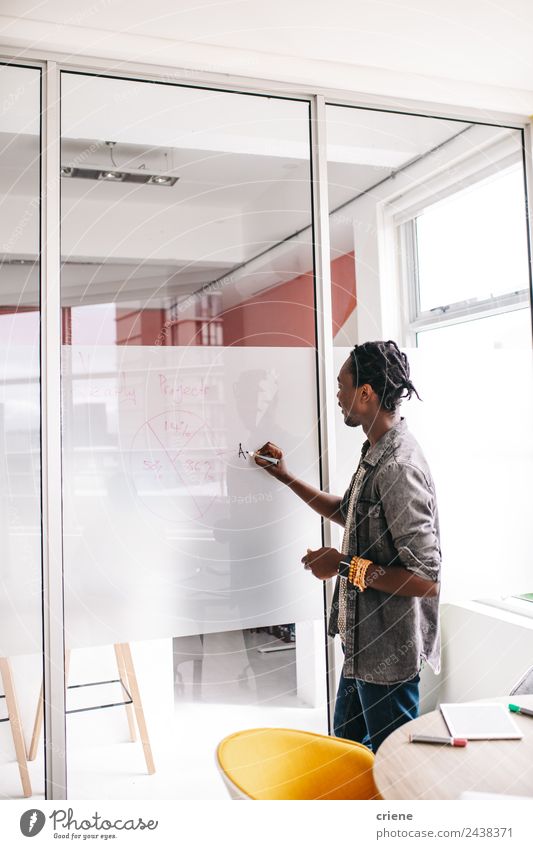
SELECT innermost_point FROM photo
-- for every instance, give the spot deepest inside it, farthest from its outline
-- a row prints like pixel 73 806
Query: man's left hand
pixel 323 562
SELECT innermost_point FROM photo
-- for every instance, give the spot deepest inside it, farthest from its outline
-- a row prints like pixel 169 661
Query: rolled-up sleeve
pixel 410 510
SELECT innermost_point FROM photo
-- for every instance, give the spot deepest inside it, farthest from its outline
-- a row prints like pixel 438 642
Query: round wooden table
pixel 404 770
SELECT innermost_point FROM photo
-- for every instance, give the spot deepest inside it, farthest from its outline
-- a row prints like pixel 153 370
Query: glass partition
pixel 20 473
pixel 433 213
pixel 188 310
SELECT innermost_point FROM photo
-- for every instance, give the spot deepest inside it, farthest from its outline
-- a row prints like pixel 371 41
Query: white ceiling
pixel 473 40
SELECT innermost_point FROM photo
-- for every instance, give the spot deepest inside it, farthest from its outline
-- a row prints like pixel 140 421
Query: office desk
pixel 404 770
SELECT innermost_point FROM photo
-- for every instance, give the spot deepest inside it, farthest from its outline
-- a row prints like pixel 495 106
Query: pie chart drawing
pixel 176 467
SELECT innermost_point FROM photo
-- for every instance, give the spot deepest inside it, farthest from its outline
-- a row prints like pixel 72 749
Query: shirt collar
pixel 373 454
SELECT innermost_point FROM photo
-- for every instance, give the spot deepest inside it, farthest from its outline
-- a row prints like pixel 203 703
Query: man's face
pixel 348 397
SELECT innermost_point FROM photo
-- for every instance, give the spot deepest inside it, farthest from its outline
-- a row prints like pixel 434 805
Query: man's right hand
pixel 277 470
pixel 324 503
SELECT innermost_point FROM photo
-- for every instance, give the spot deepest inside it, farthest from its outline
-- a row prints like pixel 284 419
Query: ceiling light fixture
pixel 109 176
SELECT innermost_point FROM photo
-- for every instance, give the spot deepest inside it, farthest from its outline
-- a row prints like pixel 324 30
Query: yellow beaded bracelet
pixel 357 572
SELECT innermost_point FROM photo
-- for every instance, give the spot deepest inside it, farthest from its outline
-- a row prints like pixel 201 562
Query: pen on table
pixel 443 741
pixel 263 457
pixel 518 709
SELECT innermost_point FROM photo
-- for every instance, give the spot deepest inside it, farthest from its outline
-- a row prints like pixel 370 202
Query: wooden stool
pixel 13 716
pixel 128 681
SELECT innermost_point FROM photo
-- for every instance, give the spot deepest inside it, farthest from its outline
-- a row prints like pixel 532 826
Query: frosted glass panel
pixel 475 425
pixel 168 531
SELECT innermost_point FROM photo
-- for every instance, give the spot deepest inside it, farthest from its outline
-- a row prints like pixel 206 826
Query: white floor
pixel 188 713
pixel 184 756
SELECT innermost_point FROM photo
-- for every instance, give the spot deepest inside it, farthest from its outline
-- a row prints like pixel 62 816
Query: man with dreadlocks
pixel 386 599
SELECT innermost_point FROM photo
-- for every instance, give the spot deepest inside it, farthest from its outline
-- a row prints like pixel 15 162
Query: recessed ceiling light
pixel 112 176
pixel 161 180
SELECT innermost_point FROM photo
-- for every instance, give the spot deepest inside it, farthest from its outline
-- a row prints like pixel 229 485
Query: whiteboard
pixel 167 531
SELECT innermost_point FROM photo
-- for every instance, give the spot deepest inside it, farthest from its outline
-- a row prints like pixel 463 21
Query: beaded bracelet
pixel 357 572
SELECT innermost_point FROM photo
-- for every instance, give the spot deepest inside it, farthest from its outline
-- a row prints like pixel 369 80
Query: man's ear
pixel 366 391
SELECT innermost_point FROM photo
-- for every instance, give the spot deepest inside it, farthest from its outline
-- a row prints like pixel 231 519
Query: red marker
pixel 442 741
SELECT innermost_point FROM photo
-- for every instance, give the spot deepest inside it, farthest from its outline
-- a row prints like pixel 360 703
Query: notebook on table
pixel 480 721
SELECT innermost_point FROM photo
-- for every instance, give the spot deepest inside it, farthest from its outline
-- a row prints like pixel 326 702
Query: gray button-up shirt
pixel 396 524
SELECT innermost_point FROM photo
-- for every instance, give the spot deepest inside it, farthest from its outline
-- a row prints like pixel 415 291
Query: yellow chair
pixel 282 763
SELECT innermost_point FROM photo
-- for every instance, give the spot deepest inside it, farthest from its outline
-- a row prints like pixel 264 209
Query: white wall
pixel 485 651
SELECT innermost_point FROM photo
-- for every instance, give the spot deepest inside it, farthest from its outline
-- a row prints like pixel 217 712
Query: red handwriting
pixel 179 391
pixel 175 462
pixel 197 471
pixel 123 392
pixel 199 467
pixel 154 466
pixel 180 428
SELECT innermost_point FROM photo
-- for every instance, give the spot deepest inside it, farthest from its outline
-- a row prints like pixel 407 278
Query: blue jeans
pixel 368 713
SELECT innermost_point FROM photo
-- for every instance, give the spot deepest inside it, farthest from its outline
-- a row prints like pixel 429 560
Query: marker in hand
pixel 263 457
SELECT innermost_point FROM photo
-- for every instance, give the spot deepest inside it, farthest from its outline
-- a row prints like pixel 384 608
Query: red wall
pixel 284 315
pixel 139 327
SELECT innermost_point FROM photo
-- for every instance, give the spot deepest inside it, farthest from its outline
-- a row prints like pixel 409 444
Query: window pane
pixel 20 467
pixel 189 332
pixel 506 330
pixel 473 244
pixel 371 155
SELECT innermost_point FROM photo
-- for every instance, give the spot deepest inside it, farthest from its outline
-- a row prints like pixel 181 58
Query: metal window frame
pixel 52 528
pixel 53 63
pixel 327 384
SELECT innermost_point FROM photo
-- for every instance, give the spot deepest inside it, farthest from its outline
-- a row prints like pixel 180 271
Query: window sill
pixel 515 611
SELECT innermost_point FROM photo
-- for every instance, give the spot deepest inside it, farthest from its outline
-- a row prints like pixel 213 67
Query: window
pixel 466 278
pixel 467 266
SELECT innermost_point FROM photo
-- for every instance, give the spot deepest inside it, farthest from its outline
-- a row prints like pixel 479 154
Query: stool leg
pixel 39 714
pixel 37 727
pixel 137 704
pixel 16 726
pixel 124 677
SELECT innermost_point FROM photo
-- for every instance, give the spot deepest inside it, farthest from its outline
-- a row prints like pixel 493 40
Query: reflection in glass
pixel 251 666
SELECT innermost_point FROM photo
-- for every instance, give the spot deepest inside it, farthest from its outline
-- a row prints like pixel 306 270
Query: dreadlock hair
pixel 386 369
